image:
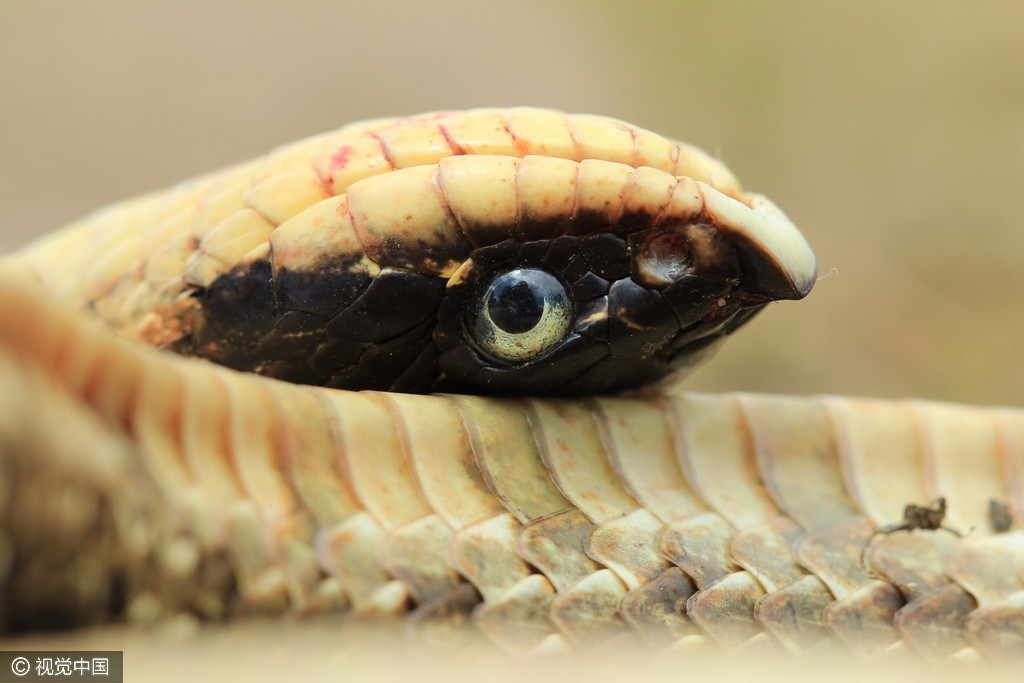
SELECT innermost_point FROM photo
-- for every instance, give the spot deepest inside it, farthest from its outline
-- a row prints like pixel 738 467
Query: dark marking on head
pixel 632 221
pixel 294 371
pixel 381 364
pixel 632 304
pixel 295 336
pixel 495 255
pixel 588 287
pixel 606 256
pixel 326 291
pixel 420 257
pixel 692 296
pixel 561 251
pixel 335 355
pixel 588 222
pixel 531 229
pixel 420 373
pixel 395 302
pixel 534 252
pixel 240 304
pixel 576 268
pixel 625 334
pixel 639 320
pixel 592 318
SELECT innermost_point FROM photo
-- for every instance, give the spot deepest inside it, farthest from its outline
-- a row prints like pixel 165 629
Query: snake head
pixel 578 270
pixel 617 303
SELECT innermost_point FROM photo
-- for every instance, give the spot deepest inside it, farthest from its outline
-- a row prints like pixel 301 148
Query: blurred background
pixel 891 132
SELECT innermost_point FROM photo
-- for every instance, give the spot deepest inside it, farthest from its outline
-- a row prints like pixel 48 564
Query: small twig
pixel 914 517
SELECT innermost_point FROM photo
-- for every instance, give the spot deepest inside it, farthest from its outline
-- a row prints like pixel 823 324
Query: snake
pixel 426 369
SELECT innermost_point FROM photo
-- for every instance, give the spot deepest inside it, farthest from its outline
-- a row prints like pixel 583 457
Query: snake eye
pixel 522 314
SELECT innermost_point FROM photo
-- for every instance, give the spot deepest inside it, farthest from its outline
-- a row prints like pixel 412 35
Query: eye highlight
pixel 522 314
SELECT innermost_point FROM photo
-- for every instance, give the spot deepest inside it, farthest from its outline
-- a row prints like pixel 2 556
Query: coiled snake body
pixel 500 258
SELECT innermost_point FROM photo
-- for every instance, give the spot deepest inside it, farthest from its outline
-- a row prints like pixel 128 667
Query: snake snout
pixel 778 261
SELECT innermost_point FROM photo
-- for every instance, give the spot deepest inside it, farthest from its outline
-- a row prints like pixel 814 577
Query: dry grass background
pixel 891 132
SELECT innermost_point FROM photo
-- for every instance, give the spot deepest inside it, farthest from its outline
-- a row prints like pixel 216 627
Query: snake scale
pixel 451 325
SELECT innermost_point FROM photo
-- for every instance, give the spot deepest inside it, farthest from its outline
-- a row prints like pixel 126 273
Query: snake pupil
pixel 515 304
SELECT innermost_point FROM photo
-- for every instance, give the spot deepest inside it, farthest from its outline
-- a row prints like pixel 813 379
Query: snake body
pixel 140 483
